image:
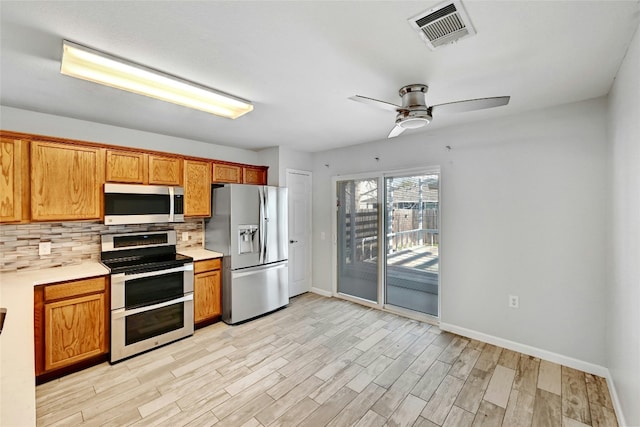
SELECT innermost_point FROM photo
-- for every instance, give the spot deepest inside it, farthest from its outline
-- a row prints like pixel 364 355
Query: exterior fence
pixel 362 245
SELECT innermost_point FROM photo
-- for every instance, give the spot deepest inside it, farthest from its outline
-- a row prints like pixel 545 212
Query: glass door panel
pixel 357 238
pixel 412 237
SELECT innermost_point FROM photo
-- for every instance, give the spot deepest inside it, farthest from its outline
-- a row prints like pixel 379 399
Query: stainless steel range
pixel 151 291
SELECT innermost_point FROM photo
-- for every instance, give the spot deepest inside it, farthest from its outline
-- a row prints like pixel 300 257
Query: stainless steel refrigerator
pixel 249 226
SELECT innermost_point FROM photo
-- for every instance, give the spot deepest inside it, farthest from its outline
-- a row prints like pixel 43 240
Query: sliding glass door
pixel 357 238
pixel 388 240
pixel 412 242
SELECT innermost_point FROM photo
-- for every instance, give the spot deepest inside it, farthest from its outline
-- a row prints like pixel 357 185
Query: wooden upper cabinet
pixel 14 180
pixel 66 181
pixel 197 188
pixel 165 170
pixel 254 175
pixel 127 167
pixel 227 173
pixel 135 167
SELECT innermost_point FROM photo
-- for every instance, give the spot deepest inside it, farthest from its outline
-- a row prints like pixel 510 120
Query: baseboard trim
pixel 321 292
pixel 527 349
pixel 617 406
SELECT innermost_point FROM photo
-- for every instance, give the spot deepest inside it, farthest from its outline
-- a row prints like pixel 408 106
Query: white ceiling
pixel 298 62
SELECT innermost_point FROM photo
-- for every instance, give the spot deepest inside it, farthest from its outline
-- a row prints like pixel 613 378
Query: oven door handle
pixel 122 312
pixel 185 267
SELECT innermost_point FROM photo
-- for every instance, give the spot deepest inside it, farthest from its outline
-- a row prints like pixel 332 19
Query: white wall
pixel 279 159
pixel 271 157
pixel 17 120
pixel 293 159
pixel 523 213
pixel 623 286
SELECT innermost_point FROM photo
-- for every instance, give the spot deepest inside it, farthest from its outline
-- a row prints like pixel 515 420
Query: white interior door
pixel 299 185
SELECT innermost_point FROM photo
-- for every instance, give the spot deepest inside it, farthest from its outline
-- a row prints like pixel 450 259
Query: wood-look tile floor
pixel 324 361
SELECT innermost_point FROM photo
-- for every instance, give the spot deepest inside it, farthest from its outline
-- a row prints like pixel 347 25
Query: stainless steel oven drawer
pixel 141 329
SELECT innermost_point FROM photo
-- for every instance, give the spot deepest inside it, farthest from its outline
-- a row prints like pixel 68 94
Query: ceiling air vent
pixel 442 24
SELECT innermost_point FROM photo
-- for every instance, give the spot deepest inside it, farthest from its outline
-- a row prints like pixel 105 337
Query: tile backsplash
pixel 75 242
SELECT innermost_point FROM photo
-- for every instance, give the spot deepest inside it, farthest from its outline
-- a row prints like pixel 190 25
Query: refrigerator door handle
pixel 265 219
pixel 261 224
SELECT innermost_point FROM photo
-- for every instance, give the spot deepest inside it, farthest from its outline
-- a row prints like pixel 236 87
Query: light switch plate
pixel 185 236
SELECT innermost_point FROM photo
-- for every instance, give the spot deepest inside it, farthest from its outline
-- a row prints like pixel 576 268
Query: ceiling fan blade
pixel 395 131
pixel 375 102
pixel 470 105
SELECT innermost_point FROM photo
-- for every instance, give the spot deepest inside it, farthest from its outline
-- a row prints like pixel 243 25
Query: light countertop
pixel 199 254
pixel 17 367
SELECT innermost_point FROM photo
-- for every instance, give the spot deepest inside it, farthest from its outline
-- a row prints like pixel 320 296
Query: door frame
pixel 382 255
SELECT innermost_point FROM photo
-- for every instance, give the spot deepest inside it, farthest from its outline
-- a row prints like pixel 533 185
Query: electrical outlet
pixel 44 248
pixel 323 235
pixel 185 236
pixel 514 301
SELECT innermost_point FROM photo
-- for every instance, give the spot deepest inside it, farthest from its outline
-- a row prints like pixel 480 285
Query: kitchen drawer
pixel 207 265
pixel 75 288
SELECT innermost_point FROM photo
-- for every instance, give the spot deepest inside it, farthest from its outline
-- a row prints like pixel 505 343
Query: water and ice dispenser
pixel 248 239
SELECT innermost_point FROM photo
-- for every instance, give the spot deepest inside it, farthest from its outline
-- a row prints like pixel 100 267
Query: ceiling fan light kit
pixel 98 67
pixel 414 122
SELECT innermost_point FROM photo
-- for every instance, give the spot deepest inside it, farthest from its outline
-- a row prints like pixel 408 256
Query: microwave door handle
pixel 171 204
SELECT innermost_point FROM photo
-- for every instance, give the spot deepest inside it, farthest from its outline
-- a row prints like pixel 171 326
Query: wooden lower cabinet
pixel 207 291
pixel 71 322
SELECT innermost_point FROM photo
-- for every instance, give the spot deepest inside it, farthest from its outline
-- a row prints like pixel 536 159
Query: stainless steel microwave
pixel 142 204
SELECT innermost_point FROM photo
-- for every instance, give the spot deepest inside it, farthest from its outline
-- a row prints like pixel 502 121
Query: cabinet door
pixel 126 166
pixel 207 295
pixel 197 188
pixel 227 173
pixel 165 170
pixel 254 176
pixel 74 330
pixel 66 181
pixel 14 184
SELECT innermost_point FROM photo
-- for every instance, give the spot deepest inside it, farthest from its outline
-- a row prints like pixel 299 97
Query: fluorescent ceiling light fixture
pixel 98 67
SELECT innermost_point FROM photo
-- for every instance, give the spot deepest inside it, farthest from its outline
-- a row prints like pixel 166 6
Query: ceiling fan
pixel 415 113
